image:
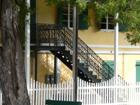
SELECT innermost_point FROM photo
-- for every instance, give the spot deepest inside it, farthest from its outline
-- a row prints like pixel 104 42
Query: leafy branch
pixel 129 13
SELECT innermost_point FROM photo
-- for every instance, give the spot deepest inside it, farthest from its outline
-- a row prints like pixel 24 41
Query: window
pixel 107 23
pixel 138 71
pixel 65 16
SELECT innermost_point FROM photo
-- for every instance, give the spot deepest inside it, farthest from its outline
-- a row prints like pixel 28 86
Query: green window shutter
pixel 123 28
pixel 60 15
pixel 111 64
pixel 138 71
pixel 83 20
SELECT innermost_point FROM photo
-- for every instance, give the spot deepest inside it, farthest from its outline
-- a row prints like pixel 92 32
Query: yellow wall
pixel 127 65
pixel 45 65
pixel 45 14
pixel 92 36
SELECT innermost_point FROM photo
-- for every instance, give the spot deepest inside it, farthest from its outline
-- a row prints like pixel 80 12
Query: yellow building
pixel 100 40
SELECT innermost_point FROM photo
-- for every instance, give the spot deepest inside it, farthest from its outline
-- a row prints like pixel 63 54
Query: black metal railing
pixel 89 57
pixel 50 34
pixel 57 35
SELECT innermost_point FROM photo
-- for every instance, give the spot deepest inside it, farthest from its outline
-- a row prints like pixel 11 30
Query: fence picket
pixel 88 93
pixel 0 97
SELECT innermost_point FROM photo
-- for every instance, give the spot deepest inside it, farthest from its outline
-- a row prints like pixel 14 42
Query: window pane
pixel 103 20
pixel 65 15
pixel 110 26
pixel 110 22
pixel 71 24
pixel 103 26
pixel 107 23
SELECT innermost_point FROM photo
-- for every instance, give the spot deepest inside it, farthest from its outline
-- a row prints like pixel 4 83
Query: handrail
pixel 92 58
pixel 58 34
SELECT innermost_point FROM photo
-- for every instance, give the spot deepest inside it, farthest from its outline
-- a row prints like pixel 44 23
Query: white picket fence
pixel 103 93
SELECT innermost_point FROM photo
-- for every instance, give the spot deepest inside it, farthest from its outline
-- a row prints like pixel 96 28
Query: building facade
pixel 99 36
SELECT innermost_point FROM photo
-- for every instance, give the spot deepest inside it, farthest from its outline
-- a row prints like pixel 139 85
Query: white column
pixel 58 70
pixel 27 45
pixel 116 48
pixel 116 54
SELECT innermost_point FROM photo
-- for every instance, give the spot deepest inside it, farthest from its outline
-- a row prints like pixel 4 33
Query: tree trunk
pixel 12 72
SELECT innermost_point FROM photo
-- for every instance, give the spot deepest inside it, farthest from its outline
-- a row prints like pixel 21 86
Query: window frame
pixel 69 16
pixel 107 29
pixel 66 17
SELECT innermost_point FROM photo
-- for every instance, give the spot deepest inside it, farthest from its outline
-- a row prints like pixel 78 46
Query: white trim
pixel 103 52
pixel 47 44
pixel 111 46
pixel 96 46
pixel 120 52
pixel 44 51
pixel 107 22
pixel 107 30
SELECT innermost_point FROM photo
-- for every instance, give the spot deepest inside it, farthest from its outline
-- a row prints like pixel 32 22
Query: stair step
pixel 83 71
pixel 94 77
pixel 67 55
pixel 61 45
pixel 98 80
pixel 83 65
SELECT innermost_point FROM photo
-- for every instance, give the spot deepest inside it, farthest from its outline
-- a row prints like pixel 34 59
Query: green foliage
pixel 80 3
pixel 129 13
pixel 134 37
pixel 22 14
pixel 23 10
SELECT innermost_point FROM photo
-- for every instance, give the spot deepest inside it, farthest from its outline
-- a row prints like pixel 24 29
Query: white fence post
pixel 0 97
pixel 88 93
